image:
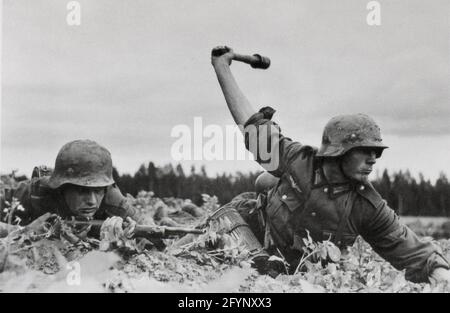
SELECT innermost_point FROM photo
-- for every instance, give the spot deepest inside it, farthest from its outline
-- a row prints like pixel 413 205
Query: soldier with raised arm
pixel 324 192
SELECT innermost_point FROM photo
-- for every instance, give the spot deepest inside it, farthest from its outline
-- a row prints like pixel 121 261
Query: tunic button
pixel 325 189
pixel 284 197
pixel 313 214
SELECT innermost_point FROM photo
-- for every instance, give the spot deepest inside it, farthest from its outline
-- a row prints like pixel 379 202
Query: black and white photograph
pixel 224 152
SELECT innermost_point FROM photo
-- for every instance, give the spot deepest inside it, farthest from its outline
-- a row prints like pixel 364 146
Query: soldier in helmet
pixel 324 192
pixel 80 186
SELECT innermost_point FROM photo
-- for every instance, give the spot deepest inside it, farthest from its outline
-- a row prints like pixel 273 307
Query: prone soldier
pixel 81 186
pixel 325 191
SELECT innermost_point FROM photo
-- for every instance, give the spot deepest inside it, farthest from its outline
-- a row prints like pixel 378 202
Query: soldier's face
pixel 358 163
pixel 83 201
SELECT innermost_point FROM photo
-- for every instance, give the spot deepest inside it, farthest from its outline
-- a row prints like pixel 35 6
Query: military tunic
pixel 304 201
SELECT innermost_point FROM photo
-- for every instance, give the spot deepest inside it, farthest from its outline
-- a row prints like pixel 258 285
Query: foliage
pixel 213 261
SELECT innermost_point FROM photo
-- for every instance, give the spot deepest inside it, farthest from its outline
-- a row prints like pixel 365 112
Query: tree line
pixel 408 196
pixel 170 181
pixel 404 193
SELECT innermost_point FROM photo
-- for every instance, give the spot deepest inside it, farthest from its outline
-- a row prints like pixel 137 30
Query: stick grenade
pixel 255 60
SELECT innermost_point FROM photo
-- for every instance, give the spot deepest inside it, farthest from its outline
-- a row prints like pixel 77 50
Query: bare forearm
pixel 239 106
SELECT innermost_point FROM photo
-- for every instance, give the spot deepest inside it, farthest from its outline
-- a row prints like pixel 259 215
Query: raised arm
pixel 239 106
pixel 262 136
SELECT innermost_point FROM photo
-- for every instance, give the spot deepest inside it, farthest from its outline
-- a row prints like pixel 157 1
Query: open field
pixel 436 227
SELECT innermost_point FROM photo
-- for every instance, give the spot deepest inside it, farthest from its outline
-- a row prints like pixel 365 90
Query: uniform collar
pixel 333 190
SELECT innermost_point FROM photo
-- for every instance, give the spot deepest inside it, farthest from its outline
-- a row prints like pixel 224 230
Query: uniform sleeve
pixel 400 246
pixel 271 149
pixel 116 204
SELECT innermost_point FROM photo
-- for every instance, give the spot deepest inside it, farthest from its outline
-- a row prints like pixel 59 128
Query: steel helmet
pixel 345 132
pixel 82 163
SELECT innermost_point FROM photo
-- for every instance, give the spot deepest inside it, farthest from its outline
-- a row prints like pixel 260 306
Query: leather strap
pixel 344 217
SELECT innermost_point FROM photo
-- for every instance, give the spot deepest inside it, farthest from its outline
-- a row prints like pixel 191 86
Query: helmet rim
pixel 345 132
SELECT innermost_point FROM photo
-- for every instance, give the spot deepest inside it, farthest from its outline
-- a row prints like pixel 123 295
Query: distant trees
pixel 169 181
pixel 409 196
pixel 403 192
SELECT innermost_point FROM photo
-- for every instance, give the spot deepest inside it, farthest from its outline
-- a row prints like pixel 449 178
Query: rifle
pixel 143 231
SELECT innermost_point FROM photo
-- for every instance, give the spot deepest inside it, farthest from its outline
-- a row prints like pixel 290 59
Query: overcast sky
pixel 135 69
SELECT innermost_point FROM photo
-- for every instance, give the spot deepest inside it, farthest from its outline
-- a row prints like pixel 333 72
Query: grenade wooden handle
pixel 255 60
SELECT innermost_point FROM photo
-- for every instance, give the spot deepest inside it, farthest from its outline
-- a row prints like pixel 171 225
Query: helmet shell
pixel 82 163
pixel 345 132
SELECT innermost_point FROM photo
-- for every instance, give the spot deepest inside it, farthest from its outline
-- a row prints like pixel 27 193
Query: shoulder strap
pixel 368 192
pixel 344 217
pixel 319 179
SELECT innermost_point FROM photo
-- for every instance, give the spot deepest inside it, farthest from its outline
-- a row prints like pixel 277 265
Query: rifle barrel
pixel 145 231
